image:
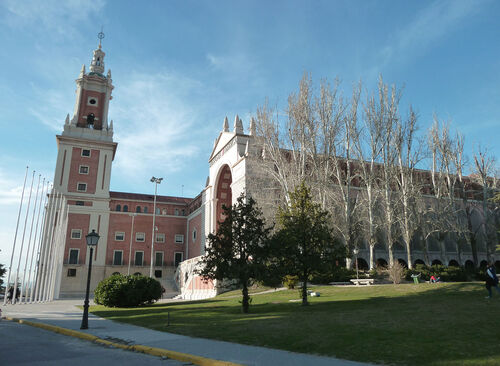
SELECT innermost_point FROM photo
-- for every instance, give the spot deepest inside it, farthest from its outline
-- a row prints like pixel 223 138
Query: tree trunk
pixel 372 256
pixel 304 289
pixel 472 238
pixel 246 299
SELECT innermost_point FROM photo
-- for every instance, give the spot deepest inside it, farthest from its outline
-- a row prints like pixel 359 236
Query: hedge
pixel 127 291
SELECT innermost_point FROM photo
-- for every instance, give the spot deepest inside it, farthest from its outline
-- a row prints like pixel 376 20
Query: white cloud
pixel 155 122
pixel 430 26
pixel 50 107
pixel 61 17
pixel 10 194
pixel 10 198
pixel 234 63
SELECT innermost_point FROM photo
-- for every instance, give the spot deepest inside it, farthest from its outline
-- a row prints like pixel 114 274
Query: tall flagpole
pixel 23 284
pixel 22 240
pixel 45 244
pixel 35 246
pixel 53 224
pixel 57 244
pixel 59 258
pixel 15 237
pixel 41 251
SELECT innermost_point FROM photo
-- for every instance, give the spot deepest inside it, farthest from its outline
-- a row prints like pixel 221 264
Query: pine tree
pixel 238 251
pixel 305 237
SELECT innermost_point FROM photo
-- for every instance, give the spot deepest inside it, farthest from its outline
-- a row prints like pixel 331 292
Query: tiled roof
pixel 149 197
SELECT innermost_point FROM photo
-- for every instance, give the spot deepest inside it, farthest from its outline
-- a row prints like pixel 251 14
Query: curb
pixel 153 351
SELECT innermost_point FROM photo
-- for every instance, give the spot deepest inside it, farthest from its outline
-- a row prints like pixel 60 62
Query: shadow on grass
pixel 416 325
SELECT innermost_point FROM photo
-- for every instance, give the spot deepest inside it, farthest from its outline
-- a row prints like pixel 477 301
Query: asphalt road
pixel 25 345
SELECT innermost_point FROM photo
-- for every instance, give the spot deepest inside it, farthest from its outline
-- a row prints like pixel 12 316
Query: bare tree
pixel 373 139
pixel 387 111
pixel 408 155
pixel 343 195
pixel 484 164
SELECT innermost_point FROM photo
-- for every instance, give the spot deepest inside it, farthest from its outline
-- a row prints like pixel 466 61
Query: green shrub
pixel 378 273
pixel 447 274
pixel 127 291
pixel 290 281
pixel 334 274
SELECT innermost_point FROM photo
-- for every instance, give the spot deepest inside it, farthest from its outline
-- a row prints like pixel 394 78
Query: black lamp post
pixel 92 240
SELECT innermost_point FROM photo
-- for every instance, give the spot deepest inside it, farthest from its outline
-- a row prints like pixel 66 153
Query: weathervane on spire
pixel 100 35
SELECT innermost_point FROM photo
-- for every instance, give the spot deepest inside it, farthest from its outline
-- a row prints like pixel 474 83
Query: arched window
pixel 469 265
pixel 436 262
pixel 362 264
pixel 145 209
pixel 138 209
pixel 116 273
pixel 137 274
pixel 164 211
pixel 453 263
pixel 381 262
pixel 403 263
pixel 118 207
pixel 125 208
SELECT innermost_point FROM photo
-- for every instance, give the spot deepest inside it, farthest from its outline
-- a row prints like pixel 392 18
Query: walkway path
pixel 65 314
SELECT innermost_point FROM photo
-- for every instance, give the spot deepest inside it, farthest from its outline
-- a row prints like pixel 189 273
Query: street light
pixel 356 251
pixel 130 248
pixel 156 181
pixel 92 240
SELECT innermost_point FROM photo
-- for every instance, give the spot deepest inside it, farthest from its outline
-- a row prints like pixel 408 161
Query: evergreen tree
pixel 2 273
pixel 238 251
pixel 305 239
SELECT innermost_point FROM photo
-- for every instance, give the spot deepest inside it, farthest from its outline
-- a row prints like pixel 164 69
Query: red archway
pixel 223 193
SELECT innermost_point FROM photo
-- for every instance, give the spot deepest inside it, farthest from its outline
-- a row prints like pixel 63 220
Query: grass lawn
pixel 425 324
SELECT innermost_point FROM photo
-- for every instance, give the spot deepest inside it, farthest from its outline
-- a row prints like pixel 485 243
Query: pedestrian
pixel 435 279
pixel 491 279
pixel 10 294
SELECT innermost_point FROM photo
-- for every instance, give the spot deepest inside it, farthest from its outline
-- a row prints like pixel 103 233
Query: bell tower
pixel 85 147
pixel 85 152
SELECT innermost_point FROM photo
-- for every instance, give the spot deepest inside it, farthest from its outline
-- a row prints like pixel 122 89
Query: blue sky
pixel 179 67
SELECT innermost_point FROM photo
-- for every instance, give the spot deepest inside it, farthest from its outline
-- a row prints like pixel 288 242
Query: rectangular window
pixel 158 259
pixel 82 187
pixel 176 212
pixel 117 257
pixel 179 238
pixel 140 236
pixel 86 152
pixel 80 203
pixel 73 256
pixel 139 258
pixel 178 258
pixel 83 169
pixel 119 236
pixel 76 233
pixel 71 272
pixel 160 238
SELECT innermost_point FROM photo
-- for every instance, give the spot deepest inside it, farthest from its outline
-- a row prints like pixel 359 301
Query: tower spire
pixel 100 35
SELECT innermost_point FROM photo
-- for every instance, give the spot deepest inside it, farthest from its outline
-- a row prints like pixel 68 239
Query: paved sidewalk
pixel 65 314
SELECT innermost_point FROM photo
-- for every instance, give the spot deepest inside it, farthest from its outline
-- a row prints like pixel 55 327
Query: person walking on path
pixel 491 279
pixel 10 294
